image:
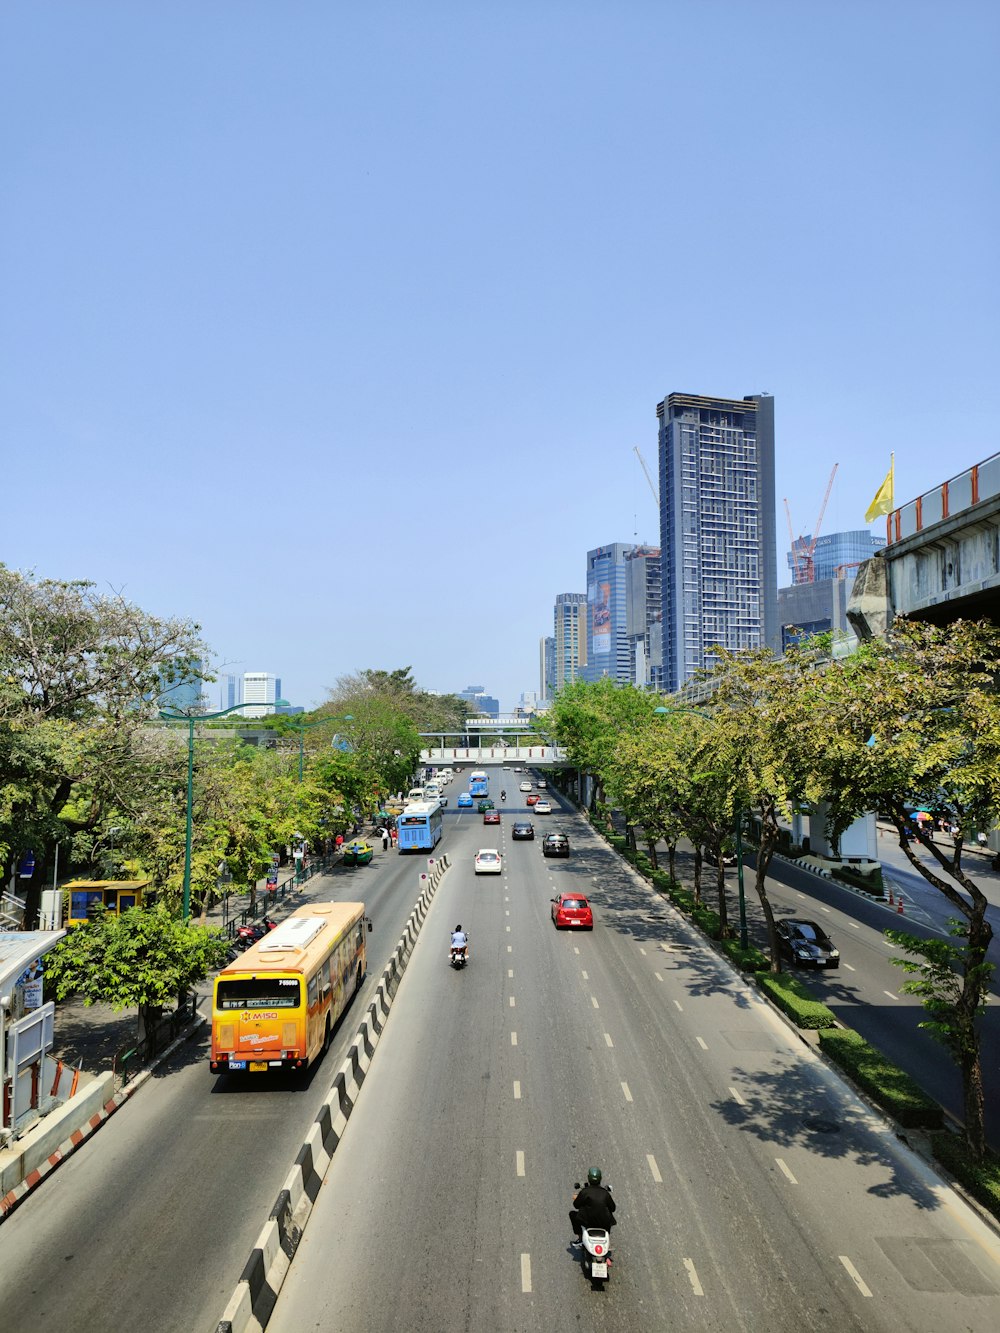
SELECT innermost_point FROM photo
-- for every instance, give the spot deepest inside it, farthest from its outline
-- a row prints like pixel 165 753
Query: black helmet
pixel 594 1176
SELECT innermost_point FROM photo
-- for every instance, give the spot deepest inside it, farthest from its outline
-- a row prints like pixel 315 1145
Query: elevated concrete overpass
pixel 942 561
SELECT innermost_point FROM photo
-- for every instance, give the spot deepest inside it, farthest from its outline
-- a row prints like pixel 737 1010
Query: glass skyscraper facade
pixel 717 533
pixel 841 551
pixel 608 648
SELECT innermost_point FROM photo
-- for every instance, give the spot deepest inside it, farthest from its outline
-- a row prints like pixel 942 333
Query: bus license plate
pixel 256 1066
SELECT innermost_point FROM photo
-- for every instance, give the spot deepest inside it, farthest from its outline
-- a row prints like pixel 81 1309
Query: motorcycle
pixel 503 796
pixel 595 1251
pixel 252 932
pixel 458 956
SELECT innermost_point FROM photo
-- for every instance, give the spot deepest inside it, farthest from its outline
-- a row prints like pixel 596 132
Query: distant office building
pixel 717 532
pixel 261 691
pixel 840 551
pixel 229 691
pixel 608 649
pixel 570 646
pixel 643 615
pixel 547 666
pixel 181 688
pixel 480 702
pixel 819 607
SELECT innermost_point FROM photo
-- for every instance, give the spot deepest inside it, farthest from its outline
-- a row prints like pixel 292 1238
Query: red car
pixel 572 909
pixel 533 798
pixel 491 817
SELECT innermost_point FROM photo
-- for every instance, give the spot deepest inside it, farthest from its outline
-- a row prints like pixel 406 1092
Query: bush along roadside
pixel 887 1085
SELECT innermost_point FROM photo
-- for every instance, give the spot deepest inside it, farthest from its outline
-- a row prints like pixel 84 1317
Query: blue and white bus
pixel 479 783
pixel 420 826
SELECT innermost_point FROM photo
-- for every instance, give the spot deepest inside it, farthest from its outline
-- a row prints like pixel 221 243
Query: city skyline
pixel 225 336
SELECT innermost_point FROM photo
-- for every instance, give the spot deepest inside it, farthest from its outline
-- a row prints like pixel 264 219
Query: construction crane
pixel 652 487
pixel 803 567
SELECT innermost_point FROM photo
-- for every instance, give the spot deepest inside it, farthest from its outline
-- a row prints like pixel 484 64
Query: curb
pixel 256 1294
pixel 68 1147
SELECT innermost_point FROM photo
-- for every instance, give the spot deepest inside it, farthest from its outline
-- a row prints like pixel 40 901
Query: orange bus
pixel 275 1007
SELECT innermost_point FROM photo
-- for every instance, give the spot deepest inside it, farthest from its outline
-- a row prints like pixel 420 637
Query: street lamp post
pixel 191 719
pixel 737 828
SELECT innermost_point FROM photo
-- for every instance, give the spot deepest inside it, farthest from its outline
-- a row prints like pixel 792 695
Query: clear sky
pixel 333 325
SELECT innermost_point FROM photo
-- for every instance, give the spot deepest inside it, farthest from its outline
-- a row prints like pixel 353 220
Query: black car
pixel 523 830
pixel 555 844
pixel 806 943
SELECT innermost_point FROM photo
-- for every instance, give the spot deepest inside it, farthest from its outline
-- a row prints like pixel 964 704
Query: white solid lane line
pixel 692 1273
pixel 525 1272
pixel 856 1277
pixel 785 1171
pixel 702 1043
pixel 520 1163
pixel 625 1090
pixel 654 1168
pixel 737 1098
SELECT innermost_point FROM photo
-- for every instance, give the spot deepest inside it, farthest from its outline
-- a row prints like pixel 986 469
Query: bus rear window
pixel 258 993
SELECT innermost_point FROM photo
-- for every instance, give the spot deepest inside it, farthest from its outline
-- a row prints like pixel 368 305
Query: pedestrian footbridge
pixel 490 740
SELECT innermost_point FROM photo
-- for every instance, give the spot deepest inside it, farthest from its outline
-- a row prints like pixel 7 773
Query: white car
pixel 488 861
pixel 543 807
pixel 542 784
pixel 525 786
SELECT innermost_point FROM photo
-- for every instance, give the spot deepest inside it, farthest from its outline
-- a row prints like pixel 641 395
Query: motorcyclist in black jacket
pixel 594 1205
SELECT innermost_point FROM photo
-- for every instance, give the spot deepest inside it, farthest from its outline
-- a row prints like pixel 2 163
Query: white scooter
pixel 595 1252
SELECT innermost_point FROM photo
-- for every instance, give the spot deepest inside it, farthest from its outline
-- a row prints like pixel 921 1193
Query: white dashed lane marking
pixel 608 1041
pixel 512 1002
pixel 654 1169
pixel 702 1043
pixel 679 1005
pixel 785 1171
pixel 627 1094
pixel 525 1272
pixel 855 1276
pixel 520 1163
pixel 513 1038
pixel 890 995
pixel 593 1001
pixel 584 975
pixel 517 1090
pixel 737 1098
pixel 658 976
pixel 692 1273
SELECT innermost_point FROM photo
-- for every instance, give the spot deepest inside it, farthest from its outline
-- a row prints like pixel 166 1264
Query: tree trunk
pixel 765 850
pixel 975 980
pixel 651 844
pixel 720 880
pixel 672 859
pixel 697 875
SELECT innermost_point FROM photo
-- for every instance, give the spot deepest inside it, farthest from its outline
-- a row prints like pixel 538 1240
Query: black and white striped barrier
pixel 256 1293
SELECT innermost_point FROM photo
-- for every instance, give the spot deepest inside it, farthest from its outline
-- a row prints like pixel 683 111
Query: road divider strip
pixel 256 1294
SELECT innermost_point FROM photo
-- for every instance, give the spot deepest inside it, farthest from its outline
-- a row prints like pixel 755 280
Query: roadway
pixel 152 1222
pixel 754 1190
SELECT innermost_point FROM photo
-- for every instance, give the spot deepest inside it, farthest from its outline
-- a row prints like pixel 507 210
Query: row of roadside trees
pixel 910 718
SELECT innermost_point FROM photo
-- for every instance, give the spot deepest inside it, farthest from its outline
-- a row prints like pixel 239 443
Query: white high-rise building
pixel 261 691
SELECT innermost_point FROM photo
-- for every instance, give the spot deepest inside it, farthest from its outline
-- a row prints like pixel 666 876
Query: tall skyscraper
pixel 181 688
pixel 229 691
pixel 570 620
pixel 260 692
pixel 547 666
pixel 643 615
pixel 608 651
pixel 717 535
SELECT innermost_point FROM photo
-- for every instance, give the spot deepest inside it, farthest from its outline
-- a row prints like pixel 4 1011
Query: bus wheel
pixel 326 1038
pixel 357 984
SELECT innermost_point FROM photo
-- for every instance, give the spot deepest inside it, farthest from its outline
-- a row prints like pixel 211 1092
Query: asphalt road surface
pixel 755 1192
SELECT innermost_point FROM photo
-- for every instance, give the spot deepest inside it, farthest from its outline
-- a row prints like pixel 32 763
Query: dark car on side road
pixel 806 943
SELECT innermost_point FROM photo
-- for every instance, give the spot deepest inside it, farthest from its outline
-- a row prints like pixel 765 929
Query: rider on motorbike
pixel 594 1205
pixel 503 796
pixel 459 940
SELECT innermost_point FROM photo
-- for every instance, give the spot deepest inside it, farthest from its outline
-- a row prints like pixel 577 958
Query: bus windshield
pixel 258 993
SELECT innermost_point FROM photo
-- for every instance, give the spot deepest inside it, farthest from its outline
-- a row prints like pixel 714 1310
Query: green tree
pixel 143 958
pixel 915 717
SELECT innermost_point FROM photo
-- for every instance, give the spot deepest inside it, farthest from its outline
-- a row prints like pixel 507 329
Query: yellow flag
pixel 883 502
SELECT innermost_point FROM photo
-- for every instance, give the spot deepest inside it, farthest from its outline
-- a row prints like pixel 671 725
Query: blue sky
pixel 333 326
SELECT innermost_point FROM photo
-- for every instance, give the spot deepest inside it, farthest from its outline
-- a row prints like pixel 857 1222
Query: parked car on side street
pixel 358 853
